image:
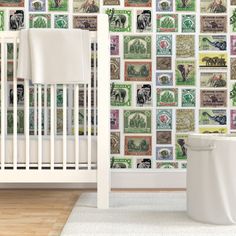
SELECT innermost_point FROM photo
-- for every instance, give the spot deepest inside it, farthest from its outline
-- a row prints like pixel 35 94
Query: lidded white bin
pixel 211 178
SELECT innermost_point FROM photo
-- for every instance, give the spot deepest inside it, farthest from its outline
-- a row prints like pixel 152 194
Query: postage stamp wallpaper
pixel 173 70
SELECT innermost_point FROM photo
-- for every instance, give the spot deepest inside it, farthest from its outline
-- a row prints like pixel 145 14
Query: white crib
pixel 60 149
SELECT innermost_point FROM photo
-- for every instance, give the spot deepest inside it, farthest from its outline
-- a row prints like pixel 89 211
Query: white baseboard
pixel 120 180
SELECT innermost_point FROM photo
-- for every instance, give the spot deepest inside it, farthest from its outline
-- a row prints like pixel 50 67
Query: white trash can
pixel 211 178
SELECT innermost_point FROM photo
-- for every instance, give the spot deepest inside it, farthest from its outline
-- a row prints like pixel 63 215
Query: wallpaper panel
pixel 173 70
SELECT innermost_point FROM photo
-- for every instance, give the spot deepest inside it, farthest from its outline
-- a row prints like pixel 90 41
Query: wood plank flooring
pixel 35 212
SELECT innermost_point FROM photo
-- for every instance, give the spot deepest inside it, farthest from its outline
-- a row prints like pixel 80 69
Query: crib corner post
pixel 103 138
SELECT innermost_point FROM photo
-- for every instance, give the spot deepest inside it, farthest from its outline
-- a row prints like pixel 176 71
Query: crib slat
pixel 40 126
pixel 64 126
pixel 52 126
pixel 15 95
pixel 85 109
pixel 76 124
pixel 26 111
pixel 45 110
pixel 89 126
pixel 95 89
pixel 35 110
pixel 3 112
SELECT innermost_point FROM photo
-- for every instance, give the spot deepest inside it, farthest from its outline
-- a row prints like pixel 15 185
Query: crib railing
pixel 34 148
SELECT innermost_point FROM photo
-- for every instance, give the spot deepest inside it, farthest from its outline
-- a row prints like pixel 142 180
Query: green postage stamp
pixel 55 5
pixel 164 119
pixel 124 163
pixel 164 44
pixel 137 47
pixel 167 23
pixel 188 23
pixel 137 121
pixel 2 20
pixel 119 20
pixel 181 5
pixel 121 94
pixel 40 21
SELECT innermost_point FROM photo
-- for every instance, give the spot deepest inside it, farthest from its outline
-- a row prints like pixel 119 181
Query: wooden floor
pixel 35 212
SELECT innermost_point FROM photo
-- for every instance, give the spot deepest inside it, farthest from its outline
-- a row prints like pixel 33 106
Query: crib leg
pixel 103 138
pixel 103 189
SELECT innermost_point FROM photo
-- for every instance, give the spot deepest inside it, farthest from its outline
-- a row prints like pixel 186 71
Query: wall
pixel 173 71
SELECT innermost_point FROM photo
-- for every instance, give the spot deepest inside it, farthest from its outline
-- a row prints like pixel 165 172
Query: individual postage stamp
pixel 2 20
pixel 138 3
pixel 163 63
pixel 212 60
pixel 115 120
pixel 12 3
pixel 119 20
pixel 164 153
pixel 144 21
pixel 20 94
pixel 164 119
pixel 185 72
pixel 212 43
pixel 167 23
pixel 167 97
pixel 137 121
pixel 40 21
pixel 121 94
pixel 115 45
pixel 144 95
pixel 185 46
pixel 164 44
pixel 115 142
pixel 164 5
pixel 55 5
pixel 123 163
pixel 138 145
pixel 233 119
pixel 138 71
pixel 233 94
pixel 185 121
pixel 164 79
pixel 163 137
pixel 182 5
pixel 233 68
pixel 188 24
pixel 188 98
pixel 213 130
pixel 20 121
pixel 180 148
pixel 213 98
pixel 37 5
pixel 115 68
pixel 111 2
pixel 144 163
pixel 213 79
pixel 213 6
pixel 212 117
pixel 16 19
pixel 213 24
pixel 86 6
pixel 233 20
pixel 183 165
pixel 137 47
pixel 85 22
pixel 167 165
pixel 233 45
pixel 61 21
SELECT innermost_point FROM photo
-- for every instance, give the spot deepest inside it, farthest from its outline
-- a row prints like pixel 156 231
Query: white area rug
pixel 141 214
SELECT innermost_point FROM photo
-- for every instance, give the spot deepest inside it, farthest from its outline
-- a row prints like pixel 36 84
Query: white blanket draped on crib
pixel 49 56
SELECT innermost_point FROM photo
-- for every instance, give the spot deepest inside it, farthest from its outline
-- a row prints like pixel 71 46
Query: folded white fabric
pixel 49 56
